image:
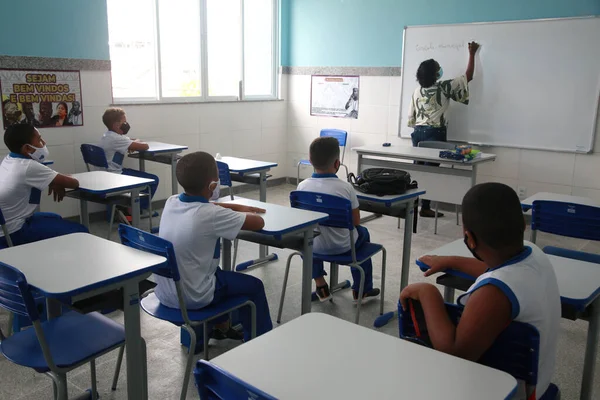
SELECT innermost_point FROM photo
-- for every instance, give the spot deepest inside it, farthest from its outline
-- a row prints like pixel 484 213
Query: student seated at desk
pixel 23 177
pixel 195 226
pixel 325 159
pixel 514 283
pixel 116 145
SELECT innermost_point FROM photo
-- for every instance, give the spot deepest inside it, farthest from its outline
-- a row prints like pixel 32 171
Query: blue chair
pixel 515 351
pixel 214 383
pixel 94 156
pixel 187 319
pixel 341 136
pixel 225 178
pixel 565 219
pixel 57 346
pixel 572 254
pixel 340 216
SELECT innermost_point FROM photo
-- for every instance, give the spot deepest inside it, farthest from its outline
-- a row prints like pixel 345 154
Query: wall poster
pixel 334 96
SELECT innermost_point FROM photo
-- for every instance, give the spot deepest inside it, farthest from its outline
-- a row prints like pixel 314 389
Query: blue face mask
pixel 440 73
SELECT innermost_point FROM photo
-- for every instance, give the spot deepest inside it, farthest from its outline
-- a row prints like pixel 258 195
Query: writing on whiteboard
pixel 432 46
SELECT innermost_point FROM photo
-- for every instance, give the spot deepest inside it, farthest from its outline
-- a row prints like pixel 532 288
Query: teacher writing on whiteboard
pixel 430 102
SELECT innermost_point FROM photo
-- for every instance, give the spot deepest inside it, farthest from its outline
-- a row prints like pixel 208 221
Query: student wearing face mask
pixel 429 106
pixel 117 144
pixel 195 226
pixel 23 177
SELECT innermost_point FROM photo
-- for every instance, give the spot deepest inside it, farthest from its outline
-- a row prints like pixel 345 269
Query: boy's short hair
pixel 195 171
pixel 112 115
pixel 324 151
pixel 18 135
pixel 492 212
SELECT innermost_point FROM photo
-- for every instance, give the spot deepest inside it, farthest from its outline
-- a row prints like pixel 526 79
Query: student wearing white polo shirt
pixel 117 144
pixel 23 177
pixel 195 226
pixel 514 283
pixel 325 159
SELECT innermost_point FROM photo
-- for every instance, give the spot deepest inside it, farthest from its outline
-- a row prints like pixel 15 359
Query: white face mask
pixel 40 154
pixel 216 191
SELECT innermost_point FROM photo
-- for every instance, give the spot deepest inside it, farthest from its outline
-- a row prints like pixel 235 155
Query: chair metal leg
pixel 457 211
pixel 205 340
pixel 448 294
pixel 285 279
pixel 61 385
pixel 383 262
pixel 150 208
pixel 118 368
pixel 399 223
pixel 190 357
pixel 253 319
pixel 113 208
pixel 298 174
pixel 54 390
pixel 361 288
pixel 436 217
pixel 93 376
pixel 11 321
pixel 235 251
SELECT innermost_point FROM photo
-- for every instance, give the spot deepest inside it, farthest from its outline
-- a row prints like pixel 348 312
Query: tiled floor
pixel 166 357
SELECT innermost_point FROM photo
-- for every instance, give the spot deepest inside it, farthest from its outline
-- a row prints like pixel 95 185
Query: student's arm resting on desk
pixel 486 315
pixel 138 146
pixel 467 265
pixel 253 222
pixel 242 208
pixel 59 184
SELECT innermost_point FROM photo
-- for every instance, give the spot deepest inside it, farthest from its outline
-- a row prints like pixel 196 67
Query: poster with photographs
pixel 44 99
pixel 334 96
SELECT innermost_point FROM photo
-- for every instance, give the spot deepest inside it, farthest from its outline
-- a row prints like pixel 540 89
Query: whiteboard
pixel 536 83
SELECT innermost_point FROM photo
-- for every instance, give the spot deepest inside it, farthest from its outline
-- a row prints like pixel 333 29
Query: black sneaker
pixel 370 293
pixel 323 293
pixel 230 333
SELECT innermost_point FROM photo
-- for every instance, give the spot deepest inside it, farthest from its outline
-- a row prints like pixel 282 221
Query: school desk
pixel 163 153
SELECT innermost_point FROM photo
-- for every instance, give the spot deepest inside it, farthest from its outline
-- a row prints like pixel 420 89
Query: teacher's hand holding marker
pixel 430 102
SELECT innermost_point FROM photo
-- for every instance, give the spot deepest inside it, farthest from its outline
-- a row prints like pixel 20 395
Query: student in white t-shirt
pixel 117 144
pixel 514 283
pixel 195 226
pixel 23 177
pixel 325 159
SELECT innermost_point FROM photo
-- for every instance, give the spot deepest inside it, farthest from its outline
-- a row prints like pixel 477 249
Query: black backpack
pixel 382 181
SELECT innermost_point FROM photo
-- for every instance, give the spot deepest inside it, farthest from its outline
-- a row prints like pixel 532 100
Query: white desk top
pixel 102 182
pixel 392 198
pixel 76 263
pixel 578 281
pixel 418 153
pixel 565 198
pixel 159 147
pixel 320 356
pixel 245 166
pixel 280 220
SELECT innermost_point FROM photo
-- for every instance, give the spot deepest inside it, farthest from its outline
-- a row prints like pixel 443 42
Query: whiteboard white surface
pixel 536 83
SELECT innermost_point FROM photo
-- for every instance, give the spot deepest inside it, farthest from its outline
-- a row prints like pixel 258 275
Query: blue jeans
pixel 424 133
pixel 229 283
pixel 144 202
pixel 40 226
pixel 363 237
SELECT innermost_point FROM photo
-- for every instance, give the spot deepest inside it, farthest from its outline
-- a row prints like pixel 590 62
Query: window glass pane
pixel 258 47
pixel 132 48
pixel 179 23
pixel 224 47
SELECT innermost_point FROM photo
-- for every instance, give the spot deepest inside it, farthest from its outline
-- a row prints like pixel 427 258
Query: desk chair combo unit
pixel 340 216
pixel 341 136
pixel 515 351
pixel 186 319
pixel 94 156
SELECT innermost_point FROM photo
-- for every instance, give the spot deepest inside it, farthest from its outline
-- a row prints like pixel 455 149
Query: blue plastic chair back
pixel 566 219
pixel 340 135
pixel 15 295
pixel 224 174
pixel 214 383
pixel 572 254
pixel 515 351
pixel 94 155
pixel 338 208
pixel 144 241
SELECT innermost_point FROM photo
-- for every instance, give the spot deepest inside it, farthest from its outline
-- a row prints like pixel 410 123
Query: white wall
pixel 251 129
pixel 377 123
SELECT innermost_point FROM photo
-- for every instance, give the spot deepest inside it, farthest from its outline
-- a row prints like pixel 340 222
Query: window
pixel 193 50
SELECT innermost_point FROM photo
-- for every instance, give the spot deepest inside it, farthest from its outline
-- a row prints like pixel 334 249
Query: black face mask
pixel 125 127
pixel 471 250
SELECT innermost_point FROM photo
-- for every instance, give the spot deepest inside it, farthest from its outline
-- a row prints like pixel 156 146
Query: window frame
pixel 204 78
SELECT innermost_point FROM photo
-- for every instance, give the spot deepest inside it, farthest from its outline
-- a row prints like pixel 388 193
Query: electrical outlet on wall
pixel 522 191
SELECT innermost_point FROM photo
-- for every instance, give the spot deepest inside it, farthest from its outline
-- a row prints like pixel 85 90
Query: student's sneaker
pixel 367 295
pixel 323 293
pixel 429 213
pixel 230 333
